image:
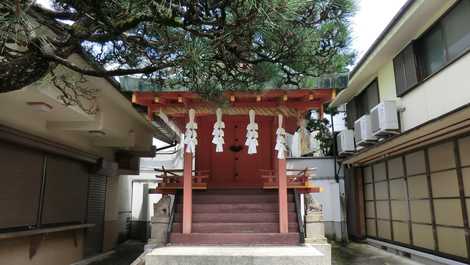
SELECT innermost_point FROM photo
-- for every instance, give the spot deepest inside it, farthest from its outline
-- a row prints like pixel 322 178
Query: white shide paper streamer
pixel 252 134
pixel 190 136
pixel 280 140
pixel 218 132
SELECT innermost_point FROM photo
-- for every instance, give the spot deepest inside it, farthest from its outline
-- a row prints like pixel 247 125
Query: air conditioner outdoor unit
pixel 384 119
pixel 363 131
pixel 345 142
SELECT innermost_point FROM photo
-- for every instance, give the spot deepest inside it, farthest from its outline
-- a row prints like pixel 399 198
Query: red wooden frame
pixel 298 179
pixel 171 180
pixel 291 103
pixel 301 100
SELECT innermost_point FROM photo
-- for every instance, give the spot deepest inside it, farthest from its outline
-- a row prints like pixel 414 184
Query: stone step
pixel 236 217
pixel 199 198
pixel 230 255
pixel 235 207
pixel 235 227
pixel 234 239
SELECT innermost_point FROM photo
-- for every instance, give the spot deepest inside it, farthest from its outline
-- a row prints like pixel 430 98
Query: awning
pixel 438 129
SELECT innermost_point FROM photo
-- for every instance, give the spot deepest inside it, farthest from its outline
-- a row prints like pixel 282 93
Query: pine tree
pixel 207 46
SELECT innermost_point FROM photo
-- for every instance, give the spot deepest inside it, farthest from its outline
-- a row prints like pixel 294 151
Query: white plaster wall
pixel 117 117
pixel 440 94
pixel 330 197
pixel 386 78
pixel 141 201
pixel 131 194
pixel 436 96
pixel 330 200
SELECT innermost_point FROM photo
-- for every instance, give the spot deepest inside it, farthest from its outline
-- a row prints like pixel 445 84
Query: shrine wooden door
pixel 234 167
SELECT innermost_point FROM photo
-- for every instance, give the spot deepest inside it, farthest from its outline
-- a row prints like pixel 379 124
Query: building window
pixel 431 52
pixel 405 70
pixel 456 29
pixel 362 103
pixel 444 42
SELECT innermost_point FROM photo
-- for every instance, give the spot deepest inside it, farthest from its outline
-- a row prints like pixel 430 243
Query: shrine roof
pixel 339 82
pixel 290 103
pixel 268 100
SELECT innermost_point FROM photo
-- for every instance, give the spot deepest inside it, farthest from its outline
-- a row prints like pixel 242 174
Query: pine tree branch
pixel 107 73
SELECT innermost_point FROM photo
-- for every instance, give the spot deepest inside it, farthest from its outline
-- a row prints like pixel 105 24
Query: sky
pixel 371 19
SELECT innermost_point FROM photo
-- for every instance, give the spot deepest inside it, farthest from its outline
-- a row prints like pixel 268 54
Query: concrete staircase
pixel 235 217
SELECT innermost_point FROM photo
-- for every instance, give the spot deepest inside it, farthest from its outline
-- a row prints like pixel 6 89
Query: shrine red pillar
pixel 187 192
pixel 283 211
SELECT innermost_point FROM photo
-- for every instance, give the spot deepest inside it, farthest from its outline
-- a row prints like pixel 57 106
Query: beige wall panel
pixel 395 168
pixel 445 184
pixel 448 212
pixel 400 210
pixel 466 180
pixel 423 236
pixel 418 187
pixel 464 148
pixel 401 232
pixel 371 229
pixel 369 191
pixel 112 199
pixel 383 209
pixel 384 229
pixel 370 209
pixel 386 77
pixel 381 190
pixel 380 172
pixel 441 156
pixel 55 249
pixel 421 211
pixel 367 174
pixel 452 241
pixel 398 189
pixel 415 163
pixel 467 202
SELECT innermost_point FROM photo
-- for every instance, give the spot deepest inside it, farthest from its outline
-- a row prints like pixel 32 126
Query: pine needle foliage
pixel 207 46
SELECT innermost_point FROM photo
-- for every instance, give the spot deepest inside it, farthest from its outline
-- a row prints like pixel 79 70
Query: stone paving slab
pixel 124 254
pixel 361 254
pixel 251 255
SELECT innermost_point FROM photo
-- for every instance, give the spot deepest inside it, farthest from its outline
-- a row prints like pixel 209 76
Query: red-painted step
pixel 235 198
pixel 234 239
pixel 236 207
pixel 235 227
pixel 255 191
pixel 236 217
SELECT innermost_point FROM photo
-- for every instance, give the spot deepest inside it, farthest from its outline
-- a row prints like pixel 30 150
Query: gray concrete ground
pixel 352 254
pixel 360 254
pixel 125 254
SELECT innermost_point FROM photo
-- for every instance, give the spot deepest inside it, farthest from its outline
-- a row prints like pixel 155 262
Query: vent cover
pixel 363 131
pixel 384 119
pixel 357 131
pixel 374 120
pixel 345 141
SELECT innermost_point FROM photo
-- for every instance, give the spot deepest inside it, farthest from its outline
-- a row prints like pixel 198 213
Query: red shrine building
pixel 234 171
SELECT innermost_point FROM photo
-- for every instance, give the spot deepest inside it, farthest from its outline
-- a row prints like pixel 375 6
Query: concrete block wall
pixel 332 198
